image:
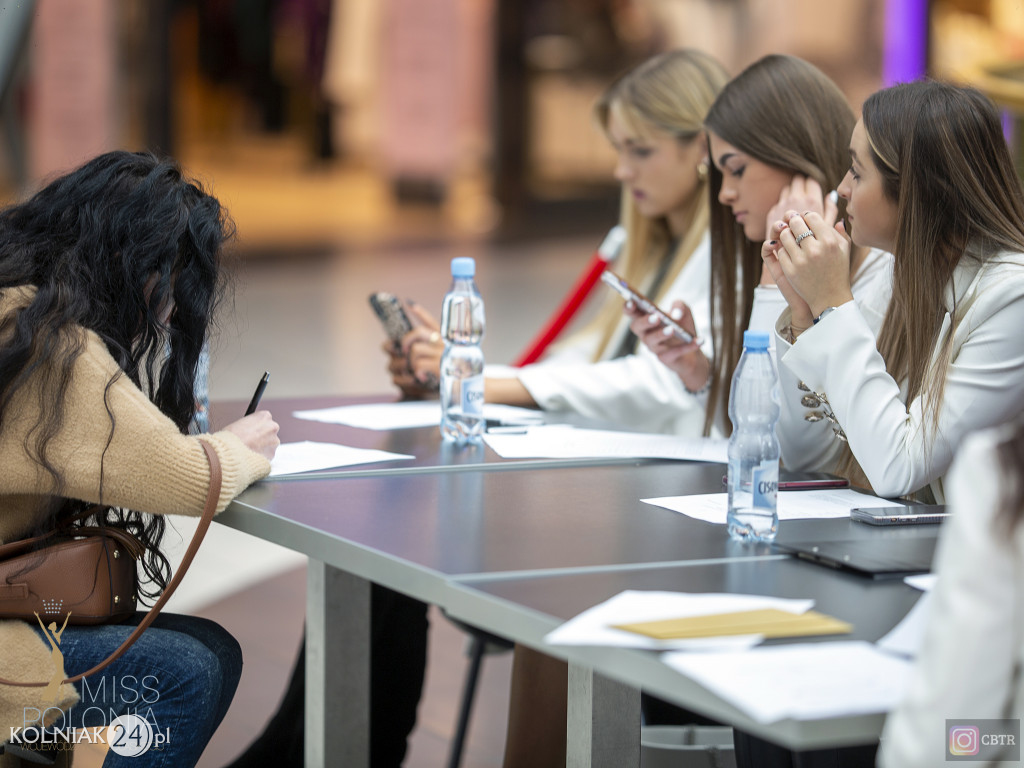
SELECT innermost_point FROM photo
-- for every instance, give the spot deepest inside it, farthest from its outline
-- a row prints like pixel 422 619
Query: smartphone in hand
pixel 391 314
pixel 627 292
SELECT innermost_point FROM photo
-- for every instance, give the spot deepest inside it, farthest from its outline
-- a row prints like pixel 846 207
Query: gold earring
pixel 702 172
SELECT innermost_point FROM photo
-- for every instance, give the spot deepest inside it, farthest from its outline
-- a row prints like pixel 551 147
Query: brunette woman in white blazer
pixel 931 181
pixel 970 664
pixel 777 139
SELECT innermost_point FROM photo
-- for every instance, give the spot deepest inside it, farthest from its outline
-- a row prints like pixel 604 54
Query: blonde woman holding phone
pixel 653 117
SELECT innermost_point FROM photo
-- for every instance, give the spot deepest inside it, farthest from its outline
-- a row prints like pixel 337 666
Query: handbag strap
pixel 212 497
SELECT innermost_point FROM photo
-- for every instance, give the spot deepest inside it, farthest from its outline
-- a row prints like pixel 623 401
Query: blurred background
pixel 360 144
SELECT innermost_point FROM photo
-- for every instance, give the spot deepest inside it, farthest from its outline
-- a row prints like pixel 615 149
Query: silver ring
pixel 804 236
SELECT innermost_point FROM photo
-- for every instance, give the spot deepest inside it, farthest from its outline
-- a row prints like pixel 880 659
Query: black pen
pixel 254 403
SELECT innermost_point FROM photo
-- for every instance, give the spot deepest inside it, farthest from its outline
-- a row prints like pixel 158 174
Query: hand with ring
pixel 814 257
pixel 801 194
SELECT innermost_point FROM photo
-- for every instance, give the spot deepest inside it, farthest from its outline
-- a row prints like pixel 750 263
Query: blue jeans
pixel 180 676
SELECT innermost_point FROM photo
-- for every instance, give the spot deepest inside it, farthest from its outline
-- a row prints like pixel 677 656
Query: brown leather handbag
pixel 92 575
pixel 87 574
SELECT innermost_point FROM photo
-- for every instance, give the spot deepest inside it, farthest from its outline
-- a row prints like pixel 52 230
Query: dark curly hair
pixel 107 247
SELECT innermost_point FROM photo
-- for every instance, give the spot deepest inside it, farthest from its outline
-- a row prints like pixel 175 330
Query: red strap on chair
pixel 606 252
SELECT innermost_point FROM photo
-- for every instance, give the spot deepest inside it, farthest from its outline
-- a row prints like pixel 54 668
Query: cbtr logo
pixel 964 740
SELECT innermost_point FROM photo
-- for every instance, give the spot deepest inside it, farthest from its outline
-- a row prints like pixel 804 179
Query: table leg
pixel 603 724
pixel 337 668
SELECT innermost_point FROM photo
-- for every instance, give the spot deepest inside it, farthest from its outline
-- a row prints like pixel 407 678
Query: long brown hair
pixel 670 92
pixel 787 113
pixel 944 163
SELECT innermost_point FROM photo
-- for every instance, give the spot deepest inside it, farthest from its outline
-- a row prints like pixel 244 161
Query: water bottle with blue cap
pixel 753 446
pixel 462 363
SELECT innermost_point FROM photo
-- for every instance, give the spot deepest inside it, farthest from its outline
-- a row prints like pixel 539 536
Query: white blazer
pixel 635 391
pixel 973 651
pixel 899 448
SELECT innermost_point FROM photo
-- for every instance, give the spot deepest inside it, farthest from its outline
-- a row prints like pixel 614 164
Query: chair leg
pixel 477 647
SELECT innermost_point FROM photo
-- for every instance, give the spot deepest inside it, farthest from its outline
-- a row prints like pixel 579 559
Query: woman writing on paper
pixel 653 118
pixel 109 278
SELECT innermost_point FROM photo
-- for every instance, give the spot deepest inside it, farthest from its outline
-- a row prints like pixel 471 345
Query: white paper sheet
pixel 562 442
pixel 803 681
pixel 923 581
pixel 412 414
pixel 793 505
pixel 292 458
pixel 594 626
pixel 905 638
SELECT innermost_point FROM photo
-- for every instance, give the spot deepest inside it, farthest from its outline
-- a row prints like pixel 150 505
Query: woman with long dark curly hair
pixel 109 277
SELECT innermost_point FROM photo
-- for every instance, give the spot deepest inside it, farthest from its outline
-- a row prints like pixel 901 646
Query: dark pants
pixel 397 667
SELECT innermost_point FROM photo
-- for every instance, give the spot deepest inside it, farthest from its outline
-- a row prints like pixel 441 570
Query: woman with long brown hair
pixel 932 181
pixel 777 139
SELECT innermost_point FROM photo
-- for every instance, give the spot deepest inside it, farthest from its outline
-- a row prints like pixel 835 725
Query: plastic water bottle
pixel 753 447
pixel 201 420
pixel 462 363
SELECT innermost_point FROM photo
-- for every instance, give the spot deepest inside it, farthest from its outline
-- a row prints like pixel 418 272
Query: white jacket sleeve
pixel 635 391
pixel 812 445
pixel 968 663
pixel 899 448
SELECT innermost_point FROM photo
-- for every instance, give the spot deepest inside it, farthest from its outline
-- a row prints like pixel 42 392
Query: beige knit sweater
pixel 148 466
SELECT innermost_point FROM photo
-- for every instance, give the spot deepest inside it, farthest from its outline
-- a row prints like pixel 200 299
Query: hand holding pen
pixel 258 394
pixel 257 430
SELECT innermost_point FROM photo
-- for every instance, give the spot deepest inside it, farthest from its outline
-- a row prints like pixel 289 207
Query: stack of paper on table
pixel 802 681
pixel 793 505
pixel 597 625
pixel 766 622
pixel 411 414
pixel 564 442
pixel 306 456
pixel 798 680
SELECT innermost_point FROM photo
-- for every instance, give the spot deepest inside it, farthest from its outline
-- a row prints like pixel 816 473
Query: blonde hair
pixel 670 92
pixel 785 112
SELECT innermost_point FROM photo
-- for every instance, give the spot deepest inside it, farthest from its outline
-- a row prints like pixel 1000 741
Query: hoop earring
pixel 702 172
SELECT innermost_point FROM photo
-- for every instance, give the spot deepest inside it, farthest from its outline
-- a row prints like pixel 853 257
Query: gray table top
pixel 432 455
pixel 525 609
pixel 410 531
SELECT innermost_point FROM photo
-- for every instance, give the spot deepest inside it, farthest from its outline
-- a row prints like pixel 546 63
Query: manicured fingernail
pixel 629 305
pixel 833 196
pixel 666 331
pixel 772 242
pixel 653 319
pixel 676 313
pixel 780 225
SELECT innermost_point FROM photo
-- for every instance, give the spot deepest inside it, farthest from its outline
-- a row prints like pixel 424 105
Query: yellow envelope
pixel 769 622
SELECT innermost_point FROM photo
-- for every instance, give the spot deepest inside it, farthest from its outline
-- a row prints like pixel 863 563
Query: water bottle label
pixel 473 396
pixel 765 484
